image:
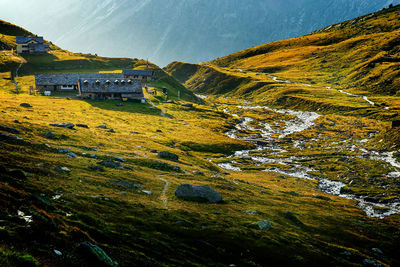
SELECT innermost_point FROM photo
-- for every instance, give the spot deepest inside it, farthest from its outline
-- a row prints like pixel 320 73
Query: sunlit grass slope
pixel 361 56
pixel 135 227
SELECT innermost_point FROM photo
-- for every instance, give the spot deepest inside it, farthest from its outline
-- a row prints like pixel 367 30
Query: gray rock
pixel 263 192
pixel 188 105
pixel 293 193
pixel 111 131
pixel 168 155
pixel 102 126
pixel 377 250
pixel 71 155
pixel 147 192
pixel 153 151
pixel 82 125
pixel 62 150
pixel 197 172
pixel 198 193
pixel 134 132
pixel 346 253
pixel 158 131
pixel 63 125
pixel 60 169
pixel 10 138
pixel 25 105
pixel 110 164
pixel 372 263
pixel 96 255
pixel 49 135
pixel 321 197
pixel 251 212
pixel 119 159
pixel 97 168
pixel 9 129
pixel 262 225
pixel 127 184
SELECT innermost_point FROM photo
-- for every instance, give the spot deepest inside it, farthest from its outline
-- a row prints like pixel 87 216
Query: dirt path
pixel 163 195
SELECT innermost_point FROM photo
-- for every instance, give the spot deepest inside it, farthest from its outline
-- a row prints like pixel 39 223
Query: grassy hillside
pixel 59 60
pixel 157 228
pixel 360 56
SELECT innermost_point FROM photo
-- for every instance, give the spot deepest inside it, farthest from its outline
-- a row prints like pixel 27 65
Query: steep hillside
pixel 360 56
pixel 59 60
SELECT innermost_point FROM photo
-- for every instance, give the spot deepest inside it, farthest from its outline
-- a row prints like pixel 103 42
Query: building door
pixel 55 87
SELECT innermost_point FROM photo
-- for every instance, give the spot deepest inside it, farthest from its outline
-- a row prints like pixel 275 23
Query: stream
pixel 271 148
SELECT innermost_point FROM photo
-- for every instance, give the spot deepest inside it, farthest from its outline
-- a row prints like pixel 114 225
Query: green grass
pixel 137 228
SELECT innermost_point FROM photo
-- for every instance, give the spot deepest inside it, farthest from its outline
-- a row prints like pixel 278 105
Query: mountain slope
pixel 176 30
pixel 360 55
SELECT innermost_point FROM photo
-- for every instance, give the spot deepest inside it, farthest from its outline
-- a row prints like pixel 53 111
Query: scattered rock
pixel 168 155
pixel 147 192
pixel 158 131
pixel 262 225
pixel 197 172
pixel 102 126
pixel 57 252
pixel 293 193
pixel 198 193
pixel 97 168
pixel 9 129
pixel 25 105
pixel 251 212
pixel 62 150
pixel 321 197
pixel 17 121
pixel 188 105
pixel 96 254
pixel 63 125
pixel 377 250
pixel 127 184
pixel 346 253
pixel 71 155
pixel 10 138
pixel 110 164
pixel 263 192
pixel 82 125
pixel 60 169
pixel 111 131
pixel 134 132
pixel 119 159
pixel 372 263
pixel 153 151
pixel 49 135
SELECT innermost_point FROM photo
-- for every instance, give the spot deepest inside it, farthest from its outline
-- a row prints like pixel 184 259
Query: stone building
pixel 103 89
pixel 145 76
pixel 31 45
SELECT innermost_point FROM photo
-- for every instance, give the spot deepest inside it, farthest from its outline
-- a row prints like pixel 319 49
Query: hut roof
pixel 106 86
pixel 137 72
pixel 72 78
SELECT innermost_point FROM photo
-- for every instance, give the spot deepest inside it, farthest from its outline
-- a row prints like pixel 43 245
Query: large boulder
pixel 63 125
pixel 9 129
pixel 262 225
pixel 168 155
pixel 201 193
pixel 96 255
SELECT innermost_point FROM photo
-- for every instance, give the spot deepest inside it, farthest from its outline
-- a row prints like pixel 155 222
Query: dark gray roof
pixel 125 86
pixel 72 78
pixel 25 39
pixel 138 72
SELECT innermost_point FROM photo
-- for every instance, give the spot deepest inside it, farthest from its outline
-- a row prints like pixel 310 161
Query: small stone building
pixel 103 89
pixel 68 81
pixel 144 76
pixel 31 45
